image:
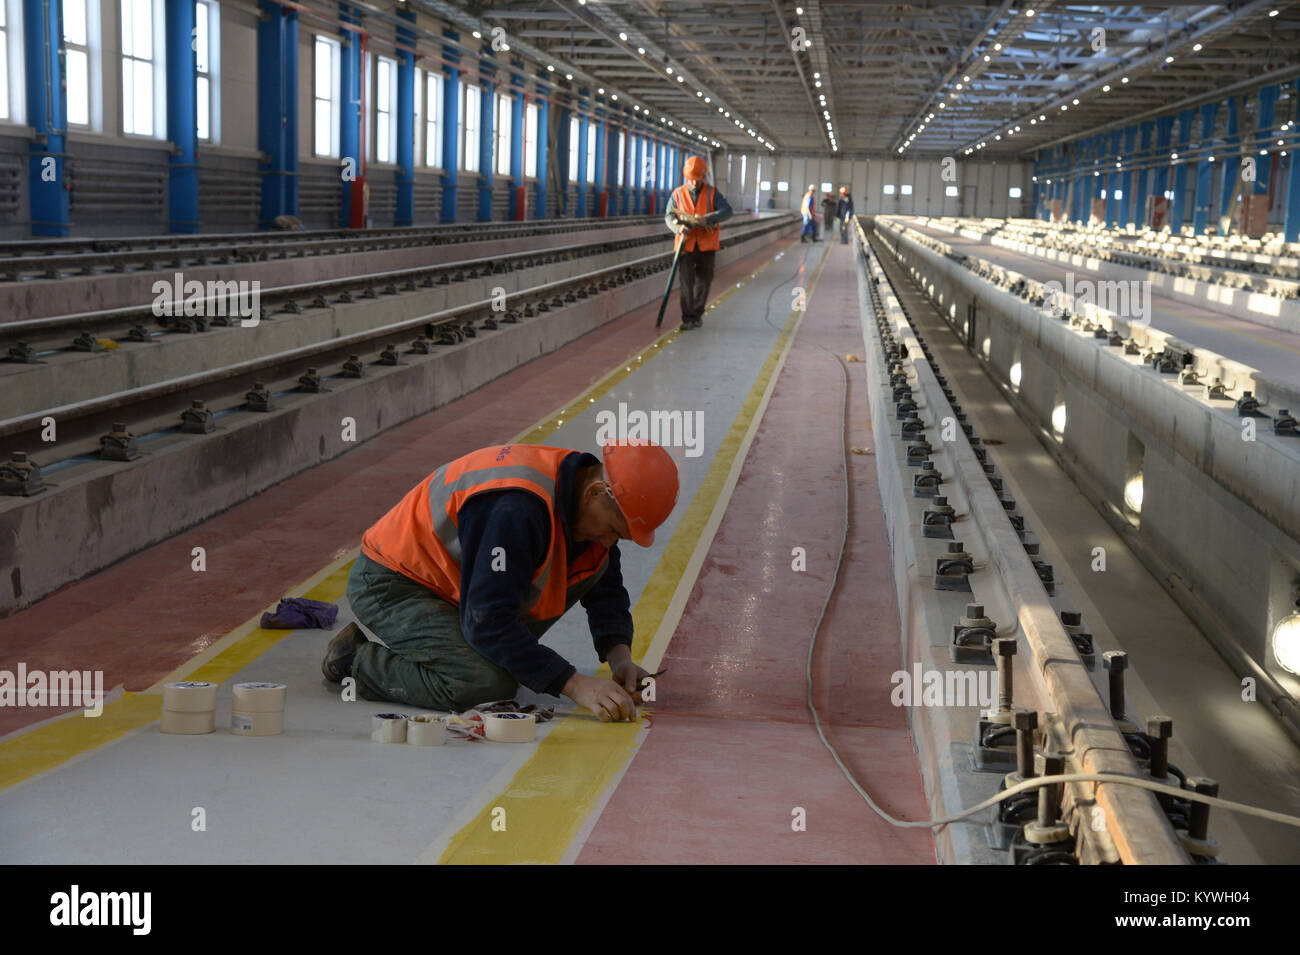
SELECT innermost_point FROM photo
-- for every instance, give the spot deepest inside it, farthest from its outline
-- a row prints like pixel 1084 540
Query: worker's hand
pixel 629 676
pixel 605 698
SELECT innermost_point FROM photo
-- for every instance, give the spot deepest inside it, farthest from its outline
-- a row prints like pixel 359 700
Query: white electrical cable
pixel 1038 781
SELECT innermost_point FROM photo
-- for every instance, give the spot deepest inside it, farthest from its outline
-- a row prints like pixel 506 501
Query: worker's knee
pixel 484 686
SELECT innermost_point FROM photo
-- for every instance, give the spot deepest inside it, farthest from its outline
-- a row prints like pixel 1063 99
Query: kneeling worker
pixel 694 211
pixel 475 563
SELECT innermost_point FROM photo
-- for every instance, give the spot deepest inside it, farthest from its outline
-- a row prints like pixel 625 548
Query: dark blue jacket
pixel 492 601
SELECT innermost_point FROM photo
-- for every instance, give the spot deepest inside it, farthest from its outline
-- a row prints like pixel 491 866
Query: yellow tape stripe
pixel 550 797
pixel 45 747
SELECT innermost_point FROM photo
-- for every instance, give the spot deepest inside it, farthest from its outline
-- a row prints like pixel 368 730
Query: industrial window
pixel 141 77
pixel 573 149
pixel 207 54
pixel 826 187
pixel 4 63
pixel 905 189
pixel 79 17
pixel 782 186
pixel 592 130
pixel 648 164
pixel 433 120
pixel 889 189
pixel 950 191
pixel 1014 192
pixel 325 115
pixel 744 162
pixel 469 124
pixel 765 185
pixel 385 110
pixel 622 158
pixel 530 140
pixel 417 125
pixel 504 133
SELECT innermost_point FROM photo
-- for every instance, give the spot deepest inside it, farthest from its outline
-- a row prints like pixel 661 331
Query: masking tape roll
pixel 388 728
pixel 510 727
pixel 258 697
pixel 256 724
pixel 190 696
pixel 426 731
pixel 188 724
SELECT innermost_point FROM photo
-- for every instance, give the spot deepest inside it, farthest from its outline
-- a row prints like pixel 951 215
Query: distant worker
pixel 844 212
pixel 694 211
pixel 808 206
pixel 828 213
pixel 466 573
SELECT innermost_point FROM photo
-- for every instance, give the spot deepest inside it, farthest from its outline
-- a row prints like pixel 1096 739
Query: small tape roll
pixel 388 728
pixel 258 697
pixel 510 727
pixel 426 731
pixel 190 696
pixel 187 724
pixel 256 724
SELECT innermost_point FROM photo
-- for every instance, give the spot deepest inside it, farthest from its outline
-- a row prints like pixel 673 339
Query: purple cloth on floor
pixel 297 613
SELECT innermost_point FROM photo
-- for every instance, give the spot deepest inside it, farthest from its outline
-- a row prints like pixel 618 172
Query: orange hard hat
pixel 695 168
pixel 643 479
pixel 844 190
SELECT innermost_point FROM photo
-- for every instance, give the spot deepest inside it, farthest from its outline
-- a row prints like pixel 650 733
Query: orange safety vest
pixel 703 240
pixel 420 538
pixel 809 205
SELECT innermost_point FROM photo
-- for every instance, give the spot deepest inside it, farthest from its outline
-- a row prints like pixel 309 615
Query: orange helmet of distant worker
pixel 844 190
pixel 695 169
pixel 642 477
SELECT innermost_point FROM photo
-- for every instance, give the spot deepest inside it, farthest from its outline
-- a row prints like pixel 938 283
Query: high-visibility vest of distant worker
pixel 809 209
pixel 695 210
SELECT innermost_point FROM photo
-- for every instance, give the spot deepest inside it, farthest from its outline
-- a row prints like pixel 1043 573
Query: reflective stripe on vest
pixel 420 536
pixel 703 240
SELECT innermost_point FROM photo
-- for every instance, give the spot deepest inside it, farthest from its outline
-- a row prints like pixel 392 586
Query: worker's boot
pixel 340 653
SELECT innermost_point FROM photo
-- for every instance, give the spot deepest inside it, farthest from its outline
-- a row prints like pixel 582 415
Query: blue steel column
pixel 1204 169
pixel 182 95
pixel 1143 175
pixel 47 114
pixel 542 146
pixel 1291 224
pixel 518 198
pixel 349 109
pixel 583 132
pixel 1263 137
pixel 405 214
pixel 638 170
pixel 450 124
pixel 602 162
pixel 1231 161
pixel 1126 176
pixel 1164 134
pixel 487 139
pixel 1112 177
pixel 1177 203
pixel 277 110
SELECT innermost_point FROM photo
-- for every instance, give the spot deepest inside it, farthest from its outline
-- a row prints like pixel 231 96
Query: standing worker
pixel 828 214
pixel 694 211
pixel 808 206
pixel 844 212
pixel 464 575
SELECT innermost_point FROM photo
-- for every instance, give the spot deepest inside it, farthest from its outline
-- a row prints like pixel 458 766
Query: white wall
pixel 982 186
